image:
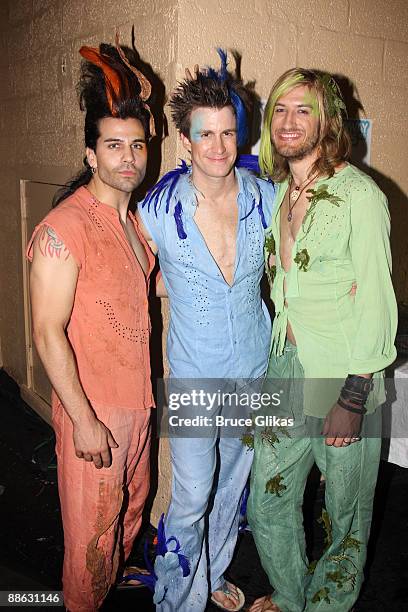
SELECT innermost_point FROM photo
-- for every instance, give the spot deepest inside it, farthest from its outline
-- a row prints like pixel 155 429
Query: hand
pixel 93 441
pixel 342 427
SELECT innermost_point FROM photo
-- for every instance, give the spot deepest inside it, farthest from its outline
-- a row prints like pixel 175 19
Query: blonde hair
pixel 334 143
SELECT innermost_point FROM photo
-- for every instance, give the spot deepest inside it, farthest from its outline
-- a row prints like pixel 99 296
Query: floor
pixel 31 534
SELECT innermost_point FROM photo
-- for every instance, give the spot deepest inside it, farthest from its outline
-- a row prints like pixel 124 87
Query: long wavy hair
pixel 334 144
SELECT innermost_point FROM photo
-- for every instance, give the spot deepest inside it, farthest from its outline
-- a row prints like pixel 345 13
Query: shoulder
pixel 70 212
pixel 359 185
pixel 253 183
pixel 267 188
pixel 65 225
pixel 172 187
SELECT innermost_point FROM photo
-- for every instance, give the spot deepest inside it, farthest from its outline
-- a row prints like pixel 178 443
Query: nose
pixel 219 145
pixel 289 119
pixel 129 154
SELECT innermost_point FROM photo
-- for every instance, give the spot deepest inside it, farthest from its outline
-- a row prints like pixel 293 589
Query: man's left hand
pixel 342 427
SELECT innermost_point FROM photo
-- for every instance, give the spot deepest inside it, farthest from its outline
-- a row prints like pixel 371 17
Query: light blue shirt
pixel 215 330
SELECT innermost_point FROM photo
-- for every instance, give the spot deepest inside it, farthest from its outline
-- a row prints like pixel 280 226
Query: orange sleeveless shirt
pixel 109 328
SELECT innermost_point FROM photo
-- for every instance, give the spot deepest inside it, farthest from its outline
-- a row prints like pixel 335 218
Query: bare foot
pixel 264 604
pixel 229 597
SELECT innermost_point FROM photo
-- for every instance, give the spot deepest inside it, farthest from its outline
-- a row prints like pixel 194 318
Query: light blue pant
pixel 209 476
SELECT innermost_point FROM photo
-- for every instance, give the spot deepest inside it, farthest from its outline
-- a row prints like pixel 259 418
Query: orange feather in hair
pixel 112 79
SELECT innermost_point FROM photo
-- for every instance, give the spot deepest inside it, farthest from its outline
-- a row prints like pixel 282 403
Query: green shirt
pixel 344 238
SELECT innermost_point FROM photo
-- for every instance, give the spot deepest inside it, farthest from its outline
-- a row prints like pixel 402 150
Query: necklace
pixel 296 193
pixel 196 190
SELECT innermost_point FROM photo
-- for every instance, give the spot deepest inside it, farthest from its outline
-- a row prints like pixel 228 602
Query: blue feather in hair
pixel 223 72
pixel 241 116
pixel 240 113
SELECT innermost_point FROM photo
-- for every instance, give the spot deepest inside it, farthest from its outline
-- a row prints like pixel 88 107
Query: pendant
pixel 290 216
pixel 294 196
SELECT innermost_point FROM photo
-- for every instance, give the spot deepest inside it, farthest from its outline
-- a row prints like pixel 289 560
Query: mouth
pixel 128 173
pixel 217 160
pixel 289 136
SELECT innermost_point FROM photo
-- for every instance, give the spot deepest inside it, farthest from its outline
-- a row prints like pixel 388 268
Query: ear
pixel 185 142
pixel 91 157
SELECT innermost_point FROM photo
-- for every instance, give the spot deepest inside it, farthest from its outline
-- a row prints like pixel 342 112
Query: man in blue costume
pixel 207 222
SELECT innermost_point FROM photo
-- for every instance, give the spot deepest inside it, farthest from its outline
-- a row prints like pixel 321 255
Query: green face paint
pixel 311 100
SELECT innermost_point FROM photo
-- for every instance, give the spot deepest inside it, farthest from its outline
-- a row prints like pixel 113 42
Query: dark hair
pixel 92 89
pixel 211 89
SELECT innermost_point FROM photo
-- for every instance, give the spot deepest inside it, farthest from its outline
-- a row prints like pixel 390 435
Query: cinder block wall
pixel 41 126
pixel 364 40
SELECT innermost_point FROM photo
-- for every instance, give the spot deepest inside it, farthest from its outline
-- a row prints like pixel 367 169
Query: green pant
pixel 282 462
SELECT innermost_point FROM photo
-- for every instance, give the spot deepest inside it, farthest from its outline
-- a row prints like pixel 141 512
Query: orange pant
pixel 101 509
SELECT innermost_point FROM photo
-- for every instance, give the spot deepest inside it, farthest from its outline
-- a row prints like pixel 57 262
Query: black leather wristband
pixel 354 393
pixel 351 407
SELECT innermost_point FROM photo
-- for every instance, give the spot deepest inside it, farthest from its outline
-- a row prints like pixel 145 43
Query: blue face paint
pixel 196 127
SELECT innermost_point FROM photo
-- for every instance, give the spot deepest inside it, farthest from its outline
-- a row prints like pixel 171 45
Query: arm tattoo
pixel 51 245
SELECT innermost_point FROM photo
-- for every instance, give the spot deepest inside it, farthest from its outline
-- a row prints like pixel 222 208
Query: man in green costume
pixel 328 261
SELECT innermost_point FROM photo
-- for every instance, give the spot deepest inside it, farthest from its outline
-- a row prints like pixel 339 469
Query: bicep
pixel 53 280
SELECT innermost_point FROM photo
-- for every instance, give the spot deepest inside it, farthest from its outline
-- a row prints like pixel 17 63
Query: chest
pixel 291 218
pixel 115 258
pixel 319 229
pixel 137 247
pixel 219 231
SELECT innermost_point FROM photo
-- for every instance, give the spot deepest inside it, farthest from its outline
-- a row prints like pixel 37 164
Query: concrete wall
pixel 41 126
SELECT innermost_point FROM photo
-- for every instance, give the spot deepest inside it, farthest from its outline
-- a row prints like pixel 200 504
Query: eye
pixel 205 134
pixel 229 133
pixel 304 111
pixel 138 145
pixel 278 109
pixel 113 145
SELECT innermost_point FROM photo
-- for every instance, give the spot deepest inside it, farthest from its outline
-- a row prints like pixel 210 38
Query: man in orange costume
pixel 89 281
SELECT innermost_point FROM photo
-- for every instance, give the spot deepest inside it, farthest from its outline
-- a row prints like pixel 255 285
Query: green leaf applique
pixel 321 193
pixel 275 486
pixel 346 572
pixel 302 259
pixel 335 102
pixel 270 249
pixel 321 595
pixel 270 246
pixel 318 195
pixel 247 440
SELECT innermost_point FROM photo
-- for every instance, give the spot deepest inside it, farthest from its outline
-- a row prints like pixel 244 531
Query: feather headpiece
pixel 224 76
pixel 122 80
pixel 212 88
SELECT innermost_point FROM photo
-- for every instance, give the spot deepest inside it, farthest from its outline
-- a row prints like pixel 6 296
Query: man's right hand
pixel 93 441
